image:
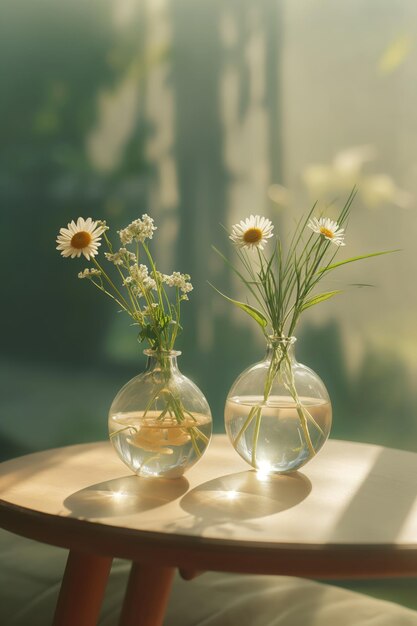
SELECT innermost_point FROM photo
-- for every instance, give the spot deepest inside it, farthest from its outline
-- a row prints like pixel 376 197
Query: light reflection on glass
pixel 263 471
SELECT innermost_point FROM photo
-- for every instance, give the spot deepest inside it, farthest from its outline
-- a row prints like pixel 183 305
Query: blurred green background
pixel 200 113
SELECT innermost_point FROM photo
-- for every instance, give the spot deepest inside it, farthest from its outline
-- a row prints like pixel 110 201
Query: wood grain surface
pixel 351 511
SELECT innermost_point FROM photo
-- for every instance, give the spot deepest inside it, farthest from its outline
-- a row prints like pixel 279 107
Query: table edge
pixel 204 553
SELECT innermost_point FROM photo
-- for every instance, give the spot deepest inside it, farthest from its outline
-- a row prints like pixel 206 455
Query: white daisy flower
pixel 80 238
pixel 252 232
pixel 329 229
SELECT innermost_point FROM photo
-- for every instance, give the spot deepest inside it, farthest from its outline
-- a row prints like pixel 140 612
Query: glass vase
pixel 160 422
pixel 278 413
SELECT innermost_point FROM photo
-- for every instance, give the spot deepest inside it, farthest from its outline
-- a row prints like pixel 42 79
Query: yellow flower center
pixel 326 232
pixel 81 240
pixel 252 235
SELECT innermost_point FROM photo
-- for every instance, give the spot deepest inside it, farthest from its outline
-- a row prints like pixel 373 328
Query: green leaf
pixel 147 332
pixel 320 298
pixel 250 310
pixel 360 285
pixel 353 259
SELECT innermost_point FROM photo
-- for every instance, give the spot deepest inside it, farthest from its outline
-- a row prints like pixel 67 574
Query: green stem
pixel 300 409
pixel 112 285
pixel 280 359
pixel 256 435
pixel 116 432
pixel 173 406
pixel 245 425
pixel 194 443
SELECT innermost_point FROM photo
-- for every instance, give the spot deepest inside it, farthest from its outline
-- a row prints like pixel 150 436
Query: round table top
pixel 351 510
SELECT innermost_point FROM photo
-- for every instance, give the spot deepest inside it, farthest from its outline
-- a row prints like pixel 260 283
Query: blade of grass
pixel 328 268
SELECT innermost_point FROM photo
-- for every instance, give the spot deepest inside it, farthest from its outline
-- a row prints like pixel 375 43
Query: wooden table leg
pixel 147 595
pixel 82 590
pixel 189 574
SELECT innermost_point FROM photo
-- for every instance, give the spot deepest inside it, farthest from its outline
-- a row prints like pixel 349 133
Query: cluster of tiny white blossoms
pixel 176 279
pixel 120 257
pixel 156 314
pixel 138 230
pixel 89 272
pixel 139 279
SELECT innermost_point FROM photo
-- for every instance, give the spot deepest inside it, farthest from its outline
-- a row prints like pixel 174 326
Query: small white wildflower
pixel 138 230
pixel 103 225
pixel 167 279
pixel 176 279
pixel 187 287
pixel 114 258
pixel 139 272
pixel 149 283
pixel 120 257
pixel 140 275
pixel 252 232
pixel 329 229
pixel 150 309
pixel 89 273
pixel 125 236
pixel 136 290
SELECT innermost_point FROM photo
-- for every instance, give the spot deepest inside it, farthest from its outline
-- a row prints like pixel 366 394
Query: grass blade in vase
pixel 159 422
pixel 281 285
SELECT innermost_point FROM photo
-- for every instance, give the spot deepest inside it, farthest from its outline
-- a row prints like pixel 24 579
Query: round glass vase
pixel 278 413
pixel 160 423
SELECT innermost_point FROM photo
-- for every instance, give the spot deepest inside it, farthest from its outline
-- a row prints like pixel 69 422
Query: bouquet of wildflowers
pixel 141 290
pixel 151 299
pixel 282 285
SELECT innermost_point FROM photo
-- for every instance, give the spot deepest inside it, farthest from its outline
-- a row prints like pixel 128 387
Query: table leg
pixel 82 590
pixel 147 595
pixel 189 574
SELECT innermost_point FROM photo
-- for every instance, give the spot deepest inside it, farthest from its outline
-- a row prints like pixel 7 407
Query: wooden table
pixel 351 512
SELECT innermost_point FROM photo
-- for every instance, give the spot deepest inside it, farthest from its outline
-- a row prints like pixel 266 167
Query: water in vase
pixel 278 436
pixel 155 446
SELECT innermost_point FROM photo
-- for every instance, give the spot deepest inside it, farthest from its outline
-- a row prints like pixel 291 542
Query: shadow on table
pixel 124 496
pixel 245 495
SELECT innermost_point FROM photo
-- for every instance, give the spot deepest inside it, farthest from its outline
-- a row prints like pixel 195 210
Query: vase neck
pixel 165 360
pixel 280 347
